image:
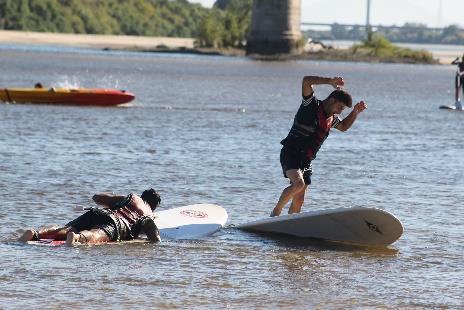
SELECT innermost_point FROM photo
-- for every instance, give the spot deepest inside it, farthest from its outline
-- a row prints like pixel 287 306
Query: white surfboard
pixel 367 226
pixel 187 222
pixel 191 222
pixel 456 107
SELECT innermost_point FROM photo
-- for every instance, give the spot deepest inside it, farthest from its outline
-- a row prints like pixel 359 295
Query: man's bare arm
pixel 107 200
pixel 150 229
pixel 348 121
pixel 309 81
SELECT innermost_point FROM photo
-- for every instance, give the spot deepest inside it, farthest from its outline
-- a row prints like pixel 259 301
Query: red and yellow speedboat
pixel 70 96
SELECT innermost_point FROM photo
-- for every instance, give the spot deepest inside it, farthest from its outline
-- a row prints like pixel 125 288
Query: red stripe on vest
pixel 322 131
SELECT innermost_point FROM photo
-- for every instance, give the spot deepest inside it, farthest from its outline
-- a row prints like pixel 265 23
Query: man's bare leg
pixel 458 102
pixel 457 87
pixel 297 184
pixel 95 235
pixel 297 201
pixel 28 235
pixel 47 233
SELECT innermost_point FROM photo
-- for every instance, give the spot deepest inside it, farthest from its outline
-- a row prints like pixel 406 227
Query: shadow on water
pixel 313 244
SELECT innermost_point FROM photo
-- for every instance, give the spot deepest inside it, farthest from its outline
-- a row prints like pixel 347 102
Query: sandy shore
pixel 444 57
pixel 444 54
pixel 93 41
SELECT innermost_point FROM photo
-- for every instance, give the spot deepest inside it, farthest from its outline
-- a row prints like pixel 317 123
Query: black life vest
pixel 310 128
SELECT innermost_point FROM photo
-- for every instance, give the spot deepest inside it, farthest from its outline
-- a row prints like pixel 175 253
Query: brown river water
pixel 206 129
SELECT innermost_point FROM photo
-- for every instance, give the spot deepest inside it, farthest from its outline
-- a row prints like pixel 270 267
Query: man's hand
pixel 150 229
pixel 337 82
pixel 359 107
pixel 348 121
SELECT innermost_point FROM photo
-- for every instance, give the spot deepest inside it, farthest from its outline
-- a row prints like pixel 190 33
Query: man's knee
pixel 298 185
pixel 296 180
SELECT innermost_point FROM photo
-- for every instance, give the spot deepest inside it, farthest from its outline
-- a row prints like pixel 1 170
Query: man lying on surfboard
pixel 310 128
pixel 121 218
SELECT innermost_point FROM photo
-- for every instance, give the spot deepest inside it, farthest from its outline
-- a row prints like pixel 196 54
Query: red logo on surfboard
pixel 194 213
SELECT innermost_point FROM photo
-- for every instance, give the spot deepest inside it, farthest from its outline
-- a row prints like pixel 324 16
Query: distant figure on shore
pixel 311 127
pixel 120 218
pixel 38 85
pixel 459 81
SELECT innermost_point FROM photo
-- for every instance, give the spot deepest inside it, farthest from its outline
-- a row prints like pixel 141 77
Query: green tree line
pixel 226 24
pixel 130 17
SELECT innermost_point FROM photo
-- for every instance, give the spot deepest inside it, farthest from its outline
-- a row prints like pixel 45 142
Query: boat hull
pixel 66 96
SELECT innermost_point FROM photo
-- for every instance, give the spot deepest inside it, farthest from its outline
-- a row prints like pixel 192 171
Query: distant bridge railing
pixel 374 27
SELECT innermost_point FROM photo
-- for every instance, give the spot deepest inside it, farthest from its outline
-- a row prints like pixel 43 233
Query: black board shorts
pixel 292 158
pixel 100 219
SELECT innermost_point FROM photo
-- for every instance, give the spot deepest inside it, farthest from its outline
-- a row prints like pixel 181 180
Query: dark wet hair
pixel 342 96
pixel 151 197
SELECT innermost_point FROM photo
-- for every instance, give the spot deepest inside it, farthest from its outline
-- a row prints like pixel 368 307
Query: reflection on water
pixel 324 245
pixel 207 130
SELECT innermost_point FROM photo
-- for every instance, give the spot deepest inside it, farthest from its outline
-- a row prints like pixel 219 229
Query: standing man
pixel 459 80
pixel 310 128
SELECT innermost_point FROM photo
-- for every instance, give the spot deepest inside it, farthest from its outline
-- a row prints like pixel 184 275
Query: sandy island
pixel 122 42
pixel 93 40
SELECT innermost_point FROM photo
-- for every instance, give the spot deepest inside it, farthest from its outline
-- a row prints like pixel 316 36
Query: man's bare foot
pixel 28 235
pixel 73 239
pixel 274 213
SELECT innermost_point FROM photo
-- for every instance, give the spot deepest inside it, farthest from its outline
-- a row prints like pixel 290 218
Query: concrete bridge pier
pixel 275 28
